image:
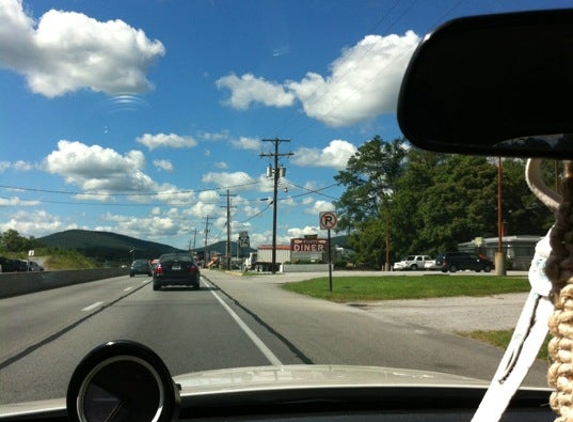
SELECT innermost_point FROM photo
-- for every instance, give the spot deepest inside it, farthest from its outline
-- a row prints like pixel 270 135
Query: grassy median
pixel 345 289
pixel 501 338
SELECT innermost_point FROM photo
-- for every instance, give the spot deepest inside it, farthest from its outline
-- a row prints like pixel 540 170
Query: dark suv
pixel 454 261
pixel 140 266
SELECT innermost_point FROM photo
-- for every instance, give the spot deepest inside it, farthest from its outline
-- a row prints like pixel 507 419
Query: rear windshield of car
pixel 176 257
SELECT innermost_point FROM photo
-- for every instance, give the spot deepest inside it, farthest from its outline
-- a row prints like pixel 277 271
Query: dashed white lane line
pixel 127 289
pixel 258 342
pixel 92 306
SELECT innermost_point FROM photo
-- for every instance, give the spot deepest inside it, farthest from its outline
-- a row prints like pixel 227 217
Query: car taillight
pixel 158 269
pixel 193 269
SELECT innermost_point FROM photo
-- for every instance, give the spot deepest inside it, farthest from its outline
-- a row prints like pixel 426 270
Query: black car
pixel 140 266
pixel 177 269
pixel 9 265
pixel 454 261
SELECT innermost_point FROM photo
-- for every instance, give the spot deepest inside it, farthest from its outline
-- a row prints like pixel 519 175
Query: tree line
pixel 424 202
pixel 11 241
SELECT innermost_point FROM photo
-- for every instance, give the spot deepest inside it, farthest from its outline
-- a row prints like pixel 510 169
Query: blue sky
pixel 136 116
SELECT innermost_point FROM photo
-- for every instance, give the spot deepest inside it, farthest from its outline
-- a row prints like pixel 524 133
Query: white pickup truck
pixel 412 262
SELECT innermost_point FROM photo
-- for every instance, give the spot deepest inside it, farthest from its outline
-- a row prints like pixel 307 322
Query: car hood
pixel 314 376
pixel 282 377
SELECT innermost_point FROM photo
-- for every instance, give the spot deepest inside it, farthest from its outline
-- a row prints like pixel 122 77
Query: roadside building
pixel 519 249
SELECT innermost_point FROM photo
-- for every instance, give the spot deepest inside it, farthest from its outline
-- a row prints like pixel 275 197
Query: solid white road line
pixel 258 342
pixel 92 306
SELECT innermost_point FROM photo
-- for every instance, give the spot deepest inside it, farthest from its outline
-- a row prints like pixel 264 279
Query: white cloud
pixel 68 51
pixel 171 195
pixel 221 165
pixel 265 183
pixel 95 196
pixel 166 140
pixel 95 168
pixel 202 210
pixel 247 143
pixel 37 223
pixel 335 155
pixel 165 165
pixel 364 81
pixel 297 232
pixel 214 136
pixel 153 226
pixel 16 165
pixel 248 89
pixel 250 211
pixel 209 196
pixel 22 166
pixel 320 206
pixel 238 180
pixel 17 202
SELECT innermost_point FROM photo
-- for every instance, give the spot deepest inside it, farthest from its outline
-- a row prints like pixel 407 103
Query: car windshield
pixel 259 141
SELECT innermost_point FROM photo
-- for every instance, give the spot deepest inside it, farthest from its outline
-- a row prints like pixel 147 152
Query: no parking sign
pixel 328 220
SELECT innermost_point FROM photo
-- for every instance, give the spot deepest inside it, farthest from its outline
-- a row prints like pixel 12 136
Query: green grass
pixel 347 289
pixel 501 338
pixel 68 261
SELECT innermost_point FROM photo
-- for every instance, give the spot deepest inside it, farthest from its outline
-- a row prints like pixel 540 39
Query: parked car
pixel 22 265
pixel 412 262
pixel 454 261
pixel 9 265
pixel 176 269
pixel 34 266
pixel 140 266
pixel 29 266
pixel 431 265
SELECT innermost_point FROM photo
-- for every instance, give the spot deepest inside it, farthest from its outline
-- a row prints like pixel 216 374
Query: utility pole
pixel 228 243
pixel 276 176
pixel 206 256
pixel 194 237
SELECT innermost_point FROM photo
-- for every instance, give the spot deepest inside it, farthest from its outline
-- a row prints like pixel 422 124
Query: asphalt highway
pixel 232 321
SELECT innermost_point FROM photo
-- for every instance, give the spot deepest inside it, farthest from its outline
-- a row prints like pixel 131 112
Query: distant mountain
pixel 106 246
pixel 220 248
pixel 341 241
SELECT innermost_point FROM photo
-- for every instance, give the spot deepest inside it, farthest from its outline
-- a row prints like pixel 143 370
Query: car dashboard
pixel 126 381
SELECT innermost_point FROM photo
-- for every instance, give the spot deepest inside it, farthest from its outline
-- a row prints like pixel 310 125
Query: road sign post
pixel 328 220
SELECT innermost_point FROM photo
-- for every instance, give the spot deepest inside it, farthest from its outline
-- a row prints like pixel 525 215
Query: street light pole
pixel 387 263
pixel 499 255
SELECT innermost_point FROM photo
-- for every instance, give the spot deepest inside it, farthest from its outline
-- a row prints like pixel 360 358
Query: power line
pixel 108 192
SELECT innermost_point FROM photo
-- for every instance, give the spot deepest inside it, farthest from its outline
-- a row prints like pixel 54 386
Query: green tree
pixel 11 241
pixel 522 212
pixel 370 180
pixel 406 214
pixel 460 204
pixel 432 202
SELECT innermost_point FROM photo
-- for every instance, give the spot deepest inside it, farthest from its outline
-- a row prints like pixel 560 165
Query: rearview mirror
pixel 497 85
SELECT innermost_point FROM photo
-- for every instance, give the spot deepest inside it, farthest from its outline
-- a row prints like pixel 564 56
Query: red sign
pixel 308 245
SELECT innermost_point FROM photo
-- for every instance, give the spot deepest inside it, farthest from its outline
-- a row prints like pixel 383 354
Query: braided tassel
pixel 559 269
